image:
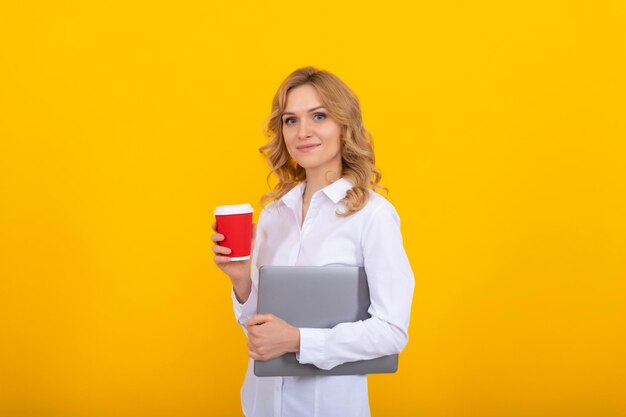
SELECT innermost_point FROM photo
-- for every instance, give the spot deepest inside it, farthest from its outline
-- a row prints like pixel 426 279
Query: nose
pixel 304 130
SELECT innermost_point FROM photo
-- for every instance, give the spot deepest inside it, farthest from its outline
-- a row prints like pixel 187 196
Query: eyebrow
pixel 310 110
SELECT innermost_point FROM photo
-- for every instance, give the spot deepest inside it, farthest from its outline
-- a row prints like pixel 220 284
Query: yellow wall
pixel 499 128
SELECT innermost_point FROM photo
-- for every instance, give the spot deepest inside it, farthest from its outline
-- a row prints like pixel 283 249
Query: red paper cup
pixel 235 223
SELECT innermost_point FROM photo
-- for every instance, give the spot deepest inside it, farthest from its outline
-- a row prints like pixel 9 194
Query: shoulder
pixel 377 204
pixel 376 212
pixel 380 221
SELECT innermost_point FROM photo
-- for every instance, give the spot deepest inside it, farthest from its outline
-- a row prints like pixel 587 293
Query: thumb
pixel 258 319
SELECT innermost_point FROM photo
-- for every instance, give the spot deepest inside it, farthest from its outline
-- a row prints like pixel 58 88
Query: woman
pixel 324 211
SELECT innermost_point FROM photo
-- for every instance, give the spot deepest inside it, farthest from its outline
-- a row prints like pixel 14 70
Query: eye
pixel 288 120
pixel 322 115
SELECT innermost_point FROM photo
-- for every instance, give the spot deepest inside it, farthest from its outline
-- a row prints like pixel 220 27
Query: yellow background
pixel 500 131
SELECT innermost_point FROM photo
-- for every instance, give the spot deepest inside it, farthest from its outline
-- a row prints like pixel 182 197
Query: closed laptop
pixel 316 297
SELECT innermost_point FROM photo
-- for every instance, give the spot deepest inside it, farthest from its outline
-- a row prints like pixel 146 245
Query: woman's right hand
pixel 238 271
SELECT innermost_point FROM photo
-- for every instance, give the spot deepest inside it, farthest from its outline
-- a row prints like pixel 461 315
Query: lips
pixel 307 147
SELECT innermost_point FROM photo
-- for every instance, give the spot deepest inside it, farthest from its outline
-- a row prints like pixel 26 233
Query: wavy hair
pixel 357 149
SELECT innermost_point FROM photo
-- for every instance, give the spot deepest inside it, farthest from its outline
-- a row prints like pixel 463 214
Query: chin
pixel 307 166
pixel 304 163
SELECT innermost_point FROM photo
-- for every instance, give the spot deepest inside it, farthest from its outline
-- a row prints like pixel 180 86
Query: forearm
pixel 246 309
pixel 348 342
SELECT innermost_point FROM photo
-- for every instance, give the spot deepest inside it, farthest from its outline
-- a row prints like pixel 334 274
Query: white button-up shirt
pixel 370 238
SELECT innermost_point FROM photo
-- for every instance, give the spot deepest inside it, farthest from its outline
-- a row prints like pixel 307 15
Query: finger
pixel 255 320
pixel 254 355
pixel 253 231
pixel 259 319
pixel 217 249
pixel 221 259
pixel 217 237
pixel 214 226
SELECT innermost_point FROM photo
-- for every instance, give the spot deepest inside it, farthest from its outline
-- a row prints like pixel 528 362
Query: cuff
pixel 312 348
pixel 245 311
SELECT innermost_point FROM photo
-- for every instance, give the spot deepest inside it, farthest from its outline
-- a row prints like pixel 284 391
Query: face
pixel 312 137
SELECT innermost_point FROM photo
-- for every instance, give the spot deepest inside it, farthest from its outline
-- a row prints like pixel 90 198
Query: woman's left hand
pixel 270 337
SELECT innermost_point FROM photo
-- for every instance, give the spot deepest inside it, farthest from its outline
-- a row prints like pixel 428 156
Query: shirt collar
pixel 291 198
pixel 335 191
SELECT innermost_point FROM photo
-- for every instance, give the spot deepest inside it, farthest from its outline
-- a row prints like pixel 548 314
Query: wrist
pixel 242 290
pixel 295 340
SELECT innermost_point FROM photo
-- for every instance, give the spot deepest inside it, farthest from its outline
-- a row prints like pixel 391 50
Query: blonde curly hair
pixel 357 151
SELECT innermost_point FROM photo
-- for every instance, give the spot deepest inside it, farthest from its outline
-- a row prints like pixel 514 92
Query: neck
pixel 315 181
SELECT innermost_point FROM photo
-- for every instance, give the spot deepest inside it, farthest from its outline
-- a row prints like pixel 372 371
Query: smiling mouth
pixel 305 147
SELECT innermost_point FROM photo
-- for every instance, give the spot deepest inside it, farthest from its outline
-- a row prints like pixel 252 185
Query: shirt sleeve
pixel 391 284
pixel 245 311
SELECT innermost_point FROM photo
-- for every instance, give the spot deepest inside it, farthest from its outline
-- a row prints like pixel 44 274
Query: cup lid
pixel 233 209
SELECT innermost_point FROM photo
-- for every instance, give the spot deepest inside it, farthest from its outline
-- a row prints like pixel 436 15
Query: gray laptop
pixel 316 297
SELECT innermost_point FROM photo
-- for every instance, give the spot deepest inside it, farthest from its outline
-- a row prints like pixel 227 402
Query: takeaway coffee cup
pixel 235 223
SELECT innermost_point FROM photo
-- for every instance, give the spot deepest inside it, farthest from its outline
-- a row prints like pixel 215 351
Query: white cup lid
pixel 234 209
